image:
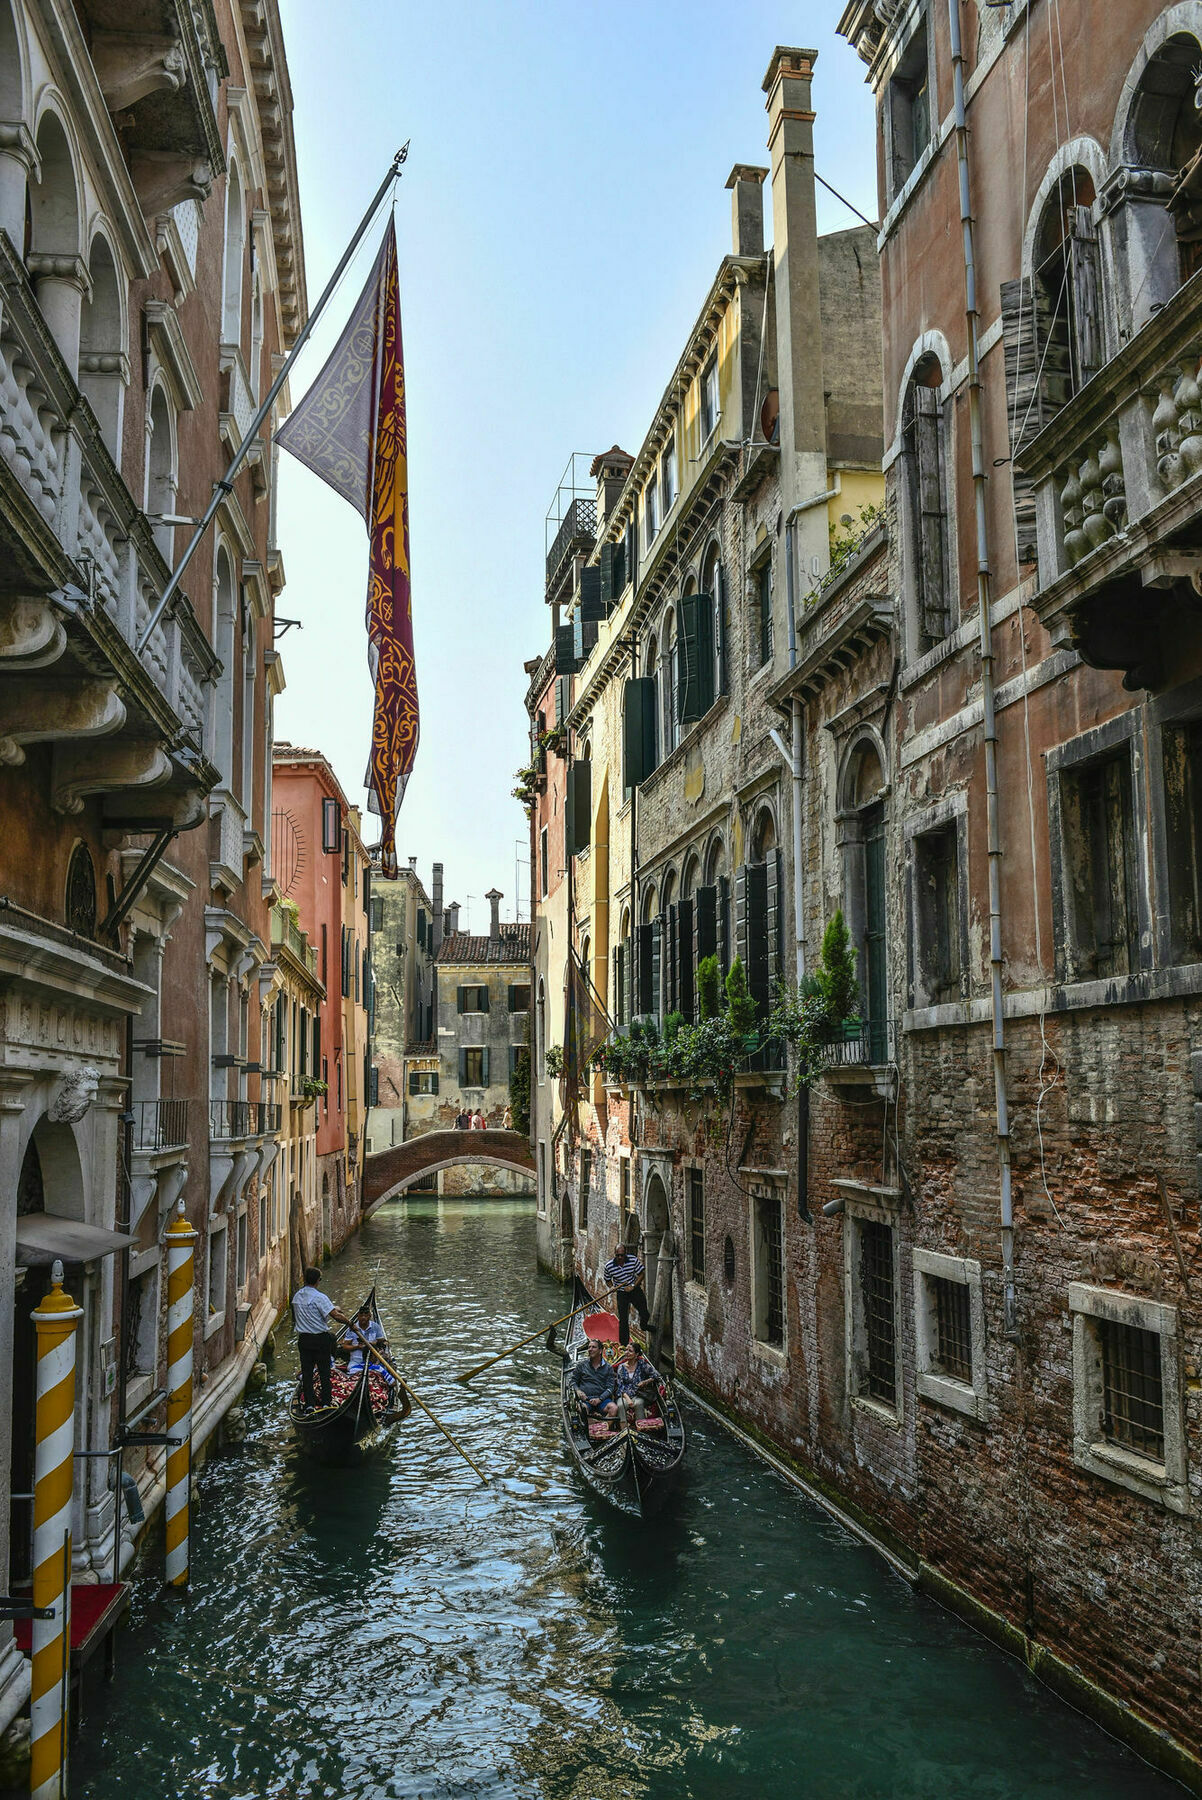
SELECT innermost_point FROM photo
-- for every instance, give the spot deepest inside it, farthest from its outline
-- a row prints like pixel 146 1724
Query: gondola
pixel 635 1468
pixel 365 1412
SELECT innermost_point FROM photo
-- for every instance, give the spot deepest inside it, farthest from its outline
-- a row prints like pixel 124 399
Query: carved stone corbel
pixel 104 768
pixel 164 178
pixel 44 711
pixel 131 64
pixel 31 634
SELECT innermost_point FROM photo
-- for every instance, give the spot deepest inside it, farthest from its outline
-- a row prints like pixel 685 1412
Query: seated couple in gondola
pixel 606 1393
pixel 365 1325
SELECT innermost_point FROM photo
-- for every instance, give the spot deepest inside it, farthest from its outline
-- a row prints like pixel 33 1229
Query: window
pixel 909 110
pixel 873 1312
pixel 1127 1399
pixel 937 917
pixel 473 1069
pixel 650 514
pixel 81 893
pixel 949 1318
pixel 586 1176
pixel 519 997
pixel 762 577
pixel 1182 765
pixel 667 478
pixel 767 1267
pixel 217 1261
pixel 423 1081
pixel 235 253
pixel 240 1251
pixel 925 499
pixel 543 863
pixel 540 1032
pixel 623 1189
pixel 264 1218
pixel 709 399
pixel 542 1177
pixel 472 999
pixel 696 1227
pixel 142 1324
pixel 1163 131
pixel 1100 867
pixel 670 685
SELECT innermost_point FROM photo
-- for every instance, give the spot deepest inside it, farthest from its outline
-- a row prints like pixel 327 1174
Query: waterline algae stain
pixel 398 1632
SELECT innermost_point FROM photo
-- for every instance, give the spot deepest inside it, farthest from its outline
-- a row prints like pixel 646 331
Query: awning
pixel 43 1237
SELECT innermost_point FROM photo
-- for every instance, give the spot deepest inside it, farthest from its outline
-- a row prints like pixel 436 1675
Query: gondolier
pixel 624 1272
pixel 311 1314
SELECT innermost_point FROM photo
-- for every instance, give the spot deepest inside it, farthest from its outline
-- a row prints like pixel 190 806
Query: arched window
pixel 80 907
pixel 254 368
pixel 53 231
pixel 225 619
pixel 1163 135
pixel 862 820
pixel 102 346
pixel 926 543
pixel 763 836
pixel 1067 327
pixel 235 254
pixel 713 583
pixel 161 482
pixel 622 958
pixel 669 684
pixel 689 878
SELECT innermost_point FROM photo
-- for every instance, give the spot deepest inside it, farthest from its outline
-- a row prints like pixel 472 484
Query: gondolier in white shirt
pixel 624 1272
pixel 311 1314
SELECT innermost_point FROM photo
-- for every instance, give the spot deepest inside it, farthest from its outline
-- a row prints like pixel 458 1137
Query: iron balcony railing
pixel 578 531
pixel 864 1043
pixel 267 1117
pixel 229 1118
pixel 160 1124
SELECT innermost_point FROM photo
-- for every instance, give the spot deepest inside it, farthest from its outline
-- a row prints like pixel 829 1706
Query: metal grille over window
pixel 772 1300
pixel 876 1289
pixel 953 1324
pixel 696 1227
pixel 81 893
pixel 1132 1394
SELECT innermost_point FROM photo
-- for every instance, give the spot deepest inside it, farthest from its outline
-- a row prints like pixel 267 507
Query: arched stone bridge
pixel 387 1173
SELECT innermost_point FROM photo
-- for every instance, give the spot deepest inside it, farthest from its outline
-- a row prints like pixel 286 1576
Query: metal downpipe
pixel 984 610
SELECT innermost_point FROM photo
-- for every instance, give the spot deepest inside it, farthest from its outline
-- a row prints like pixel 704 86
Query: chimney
pixel 436 904
pixel 798 306
pixel 452 918
pixel 746 184
pixel 413 864
pixel 494 897
pixel 609 471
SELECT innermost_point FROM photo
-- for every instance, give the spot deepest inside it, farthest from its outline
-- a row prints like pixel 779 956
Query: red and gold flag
pixel 350 430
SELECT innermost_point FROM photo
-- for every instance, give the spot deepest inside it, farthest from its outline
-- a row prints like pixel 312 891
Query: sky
pixel 559 223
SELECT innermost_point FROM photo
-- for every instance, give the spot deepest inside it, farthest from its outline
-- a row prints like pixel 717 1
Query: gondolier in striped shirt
pixel 624 1271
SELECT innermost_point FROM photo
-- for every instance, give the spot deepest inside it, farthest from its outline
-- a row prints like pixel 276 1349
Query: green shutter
pixel 670 964
pixel 434 1083
pixel 413 1081
pixel 460 999
pixel 484 999
pixel 685 966
pixel 565 651
pixel 591 603
pixel 656 996
pixel 463 1068
pixel 638 705
pixel 484 1067
pixel 578 808
pixel 695 686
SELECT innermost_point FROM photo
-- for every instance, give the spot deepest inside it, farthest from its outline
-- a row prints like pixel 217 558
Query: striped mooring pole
pixel 181 1259
pixel 55 1321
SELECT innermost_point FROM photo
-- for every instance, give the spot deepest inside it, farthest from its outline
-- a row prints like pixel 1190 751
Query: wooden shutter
pixel 483 993
pixel 695 649
pixel 755 913
pixel 484 1066
pixel 705 923
pixel 563 704
pixel 608 571
pixel 670 962
pixel 413 1081
pixel 656 994
pixel 578 807
pixel 615 982
pixel 1025 326
pixel 642 974
pixel 638 704
pixel 930 511
pixel 742 942
pixel 773 896
pixel 724 958
pixel 434 1083
pixel 628 946
pixel 1085 270
pixel 565 651
pixel 592 606
pixel 463 1068
pixel 460 999
pixel 721 682
pixel 685 966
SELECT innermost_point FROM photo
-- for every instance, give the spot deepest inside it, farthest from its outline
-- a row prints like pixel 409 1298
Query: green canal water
pixel 403 1632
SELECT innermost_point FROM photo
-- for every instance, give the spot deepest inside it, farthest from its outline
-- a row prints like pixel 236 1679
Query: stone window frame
pixel 1066 759
pixel 970 1398
pixel 1180 706
pixel 218 1228
pixel 775 1355
pixel 689 1167
pixel 856 1212
pixel 139 1387
pixel 950 812
pixel 921 19
pixel 1164 1483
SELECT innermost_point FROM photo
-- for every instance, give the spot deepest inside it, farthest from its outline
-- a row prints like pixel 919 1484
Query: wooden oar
pixel 374 1352
pixel 543 1331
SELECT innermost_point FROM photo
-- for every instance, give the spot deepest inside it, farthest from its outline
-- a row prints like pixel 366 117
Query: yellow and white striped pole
pixel 54 1479
pixel 180 1291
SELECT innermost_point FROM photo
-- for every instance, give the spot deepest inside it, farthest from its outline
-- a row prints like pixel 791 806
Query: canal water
pixel 403 1632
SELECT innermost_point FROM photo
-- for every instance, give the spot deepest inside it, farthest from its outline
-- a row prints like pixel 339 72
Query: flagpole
pixel 225 485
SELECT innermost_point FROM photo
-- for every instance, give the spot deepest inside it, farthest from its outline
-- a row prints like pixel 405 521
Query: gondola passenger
pixel 637 1377
pixel 365 1325
pixel 596 1385
pixel 311 1314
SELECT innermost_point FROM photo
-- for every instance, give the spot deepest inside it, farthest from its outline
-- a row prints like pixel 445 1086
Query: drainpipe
pixel 803 1092
pixel 984 611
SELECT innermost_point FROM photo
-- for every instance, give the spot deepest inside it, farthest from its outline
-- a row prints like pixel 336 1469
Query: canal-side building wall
pixel 548 699
pixel 404 1049
pixel 151 272
pixel 482 1023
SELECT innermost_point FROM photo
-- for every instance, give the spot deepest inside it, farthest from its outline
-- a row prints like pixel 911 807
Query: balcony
pixel 265 1117
pixel 864 1055
pixel 1118 489
pixel 287 934
pixel 229 1119
pixel 577 532
pixel 160 1124
pixel 84 575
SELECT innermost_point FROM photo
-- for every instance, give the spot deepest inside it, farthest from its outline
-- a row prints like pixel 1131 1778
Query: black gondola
pixel 635 1468
pixel 365 1412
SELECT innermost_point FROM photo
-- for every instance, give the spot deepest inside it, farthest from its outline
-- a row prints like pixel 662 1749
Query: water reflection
pixel 399 1633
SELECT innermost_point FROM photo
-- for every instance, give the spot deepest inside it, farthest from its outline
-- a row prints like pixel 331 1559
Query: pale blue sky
pixel 559 222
